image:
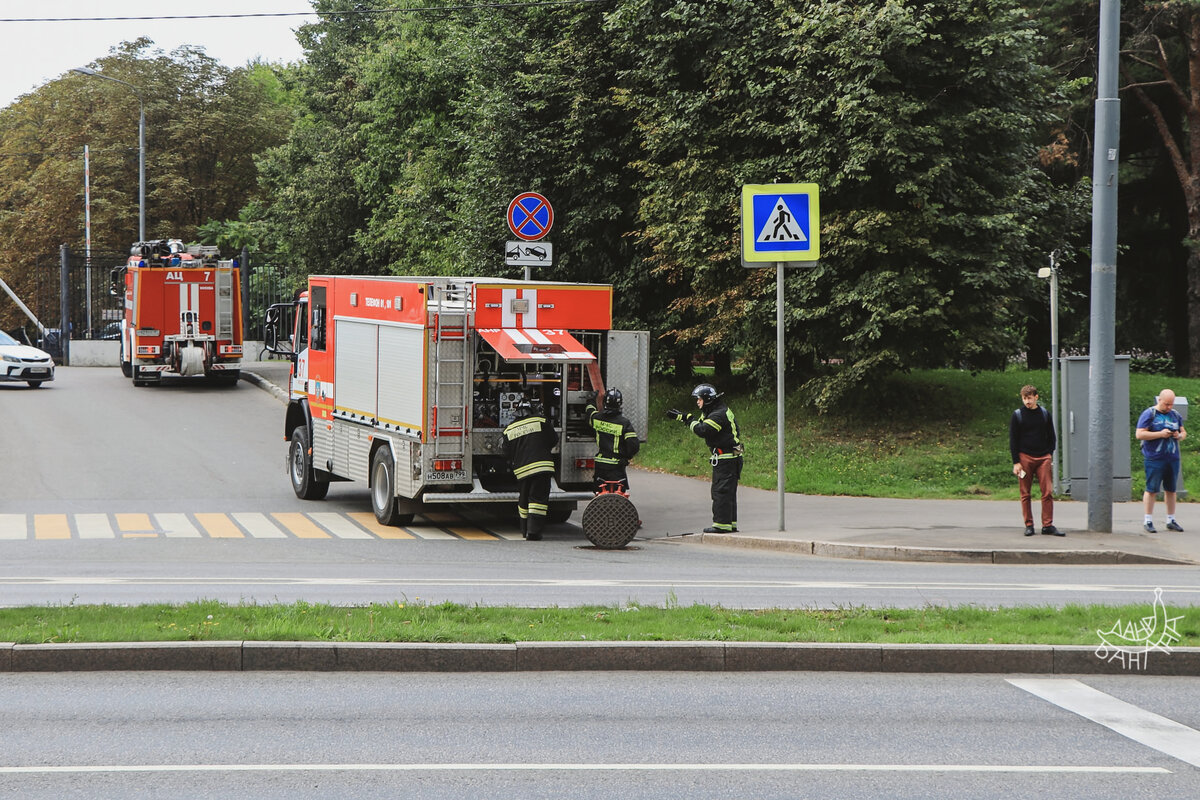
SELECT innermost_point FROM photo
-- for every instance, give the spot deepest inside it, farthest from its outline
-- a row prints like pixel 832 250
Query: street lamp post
pixel 141 143
pixel 1051 272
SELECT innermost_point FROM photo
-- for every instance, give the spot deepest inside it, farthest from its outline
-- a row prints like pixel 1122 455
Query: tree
pixel 918 123
pixel 1162 62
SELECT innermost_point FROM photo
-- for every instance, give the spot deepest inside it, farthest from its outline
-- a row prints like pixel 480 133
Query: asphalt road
pixel 632 735
pixel 183 478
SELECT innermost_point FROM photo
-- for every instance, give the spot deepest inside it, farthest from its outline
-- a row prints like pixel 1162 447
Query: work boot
pixel 524 527
pixel 536 523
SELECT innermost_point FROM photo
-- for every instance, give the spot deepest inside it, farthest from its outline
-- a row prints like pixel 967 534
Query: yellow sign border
pixel 752 190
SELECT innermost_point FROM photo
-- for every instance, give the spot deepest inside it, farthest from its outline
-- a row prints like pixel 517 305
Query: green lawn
pixel 929 434
pixel 633 621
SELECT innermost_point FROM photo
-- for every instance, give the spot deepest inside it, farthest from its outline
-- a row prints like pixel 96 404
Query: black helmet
pixel 523 408
pixel 613 399
pixel 706 392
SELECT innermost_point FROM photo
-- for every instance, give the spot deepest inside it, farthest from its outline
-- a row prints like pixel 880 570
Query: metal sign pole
pixel 779 388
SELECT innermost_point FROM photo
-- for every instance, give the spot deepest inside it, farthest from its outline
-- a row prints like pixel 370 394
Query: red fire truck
pixel 183 313
pixel 407 383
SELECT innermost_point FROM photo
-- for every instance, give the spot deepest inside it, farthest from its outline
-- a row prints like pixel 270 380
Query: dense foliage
pixel 205 123
pixel 950 140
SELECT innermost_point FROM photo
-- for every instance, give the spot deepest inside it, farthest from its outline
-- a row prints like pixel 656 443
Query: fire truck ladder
pixel 452 318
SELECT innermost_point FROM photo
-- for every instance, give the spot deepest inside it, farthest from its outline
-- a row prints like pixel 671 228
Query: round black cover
pixel 610 521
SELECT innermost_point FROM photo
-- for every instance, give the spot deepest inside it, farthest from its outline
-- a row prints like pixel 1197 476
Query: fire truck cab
pixel 407 383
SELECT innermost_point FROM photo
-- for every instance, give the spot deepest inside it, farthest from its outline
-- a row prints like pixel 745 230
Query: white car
pixel 20 362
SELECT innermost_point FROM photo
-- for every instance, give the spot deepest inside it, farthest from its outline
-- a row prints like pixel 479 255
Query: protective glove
pixel 678 416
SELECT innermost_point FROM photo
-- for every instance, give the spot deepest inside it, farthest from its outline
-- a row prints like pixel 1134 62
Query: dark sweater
pixel 1031 431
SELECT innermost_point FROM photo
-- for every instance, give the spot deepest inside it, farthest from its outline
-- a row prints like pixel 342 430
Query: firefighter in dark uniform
pixel 715 424
pixel 528 440
pixel 616 440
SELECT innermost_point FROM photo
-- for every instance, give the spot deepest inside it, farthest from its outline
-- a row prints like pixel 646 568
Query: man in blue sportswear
pixel 1160 430
pixel 715 424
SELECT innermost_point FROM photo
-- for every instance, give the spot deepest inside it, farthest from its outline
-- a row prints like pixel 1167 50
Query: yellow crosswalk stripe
pixel 299 525
pixel 51 526
pixel 372 525
pixel 133 523
pixel 472 534
pixel 219 526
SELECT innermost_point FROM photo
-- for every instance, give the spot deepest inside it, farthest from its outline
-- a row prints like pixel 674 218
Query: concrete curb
pixel 937 554
pixel 262 383
pixel 234 656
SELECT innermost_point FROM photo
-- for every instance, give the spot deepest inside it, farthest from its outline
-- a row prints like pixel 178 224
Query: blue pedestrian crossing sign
pixel 780 222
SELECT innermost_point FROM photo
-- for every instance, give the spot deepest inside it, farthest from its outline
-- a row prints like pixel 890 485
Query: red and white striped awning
pixel 536 344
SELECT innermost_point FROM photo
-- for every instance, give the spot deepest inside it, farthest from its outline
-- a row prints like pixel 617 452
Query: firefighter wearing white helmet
pixel 528 440
pixel 716 425
pixel 616 440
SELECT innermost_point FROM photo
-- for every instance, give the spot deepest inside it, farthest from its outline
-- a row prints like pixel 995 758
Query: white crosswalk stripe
pixel 259 525
pixel 340 526
pixel 176 525
pixel 93 526
pixel 13 526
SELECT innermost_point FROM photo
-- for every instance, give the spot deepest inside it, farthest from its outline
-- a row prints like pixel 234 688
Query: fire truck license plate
pixel 458 476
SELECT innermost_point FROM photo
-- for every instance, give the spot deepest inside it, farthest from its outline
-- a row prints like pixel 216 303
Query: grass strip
pixel 448 622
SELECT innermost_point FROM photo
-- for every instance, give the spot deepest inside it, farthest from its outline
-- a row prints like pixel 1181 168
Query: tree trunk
pixel 722 366
pixel 1193 304
pixel 683 363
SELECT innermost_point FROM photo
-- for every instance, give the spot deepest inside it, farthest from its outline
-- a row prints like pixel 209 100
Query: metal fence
pixel 93 304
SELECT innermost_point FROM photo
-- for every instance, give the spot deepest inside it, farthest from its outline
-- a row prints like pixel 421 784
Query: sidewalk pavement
pixel 964 531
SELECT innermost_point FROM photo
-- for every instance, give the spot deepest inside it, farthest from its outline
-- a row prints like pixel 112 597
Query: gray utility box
pixel 1073 438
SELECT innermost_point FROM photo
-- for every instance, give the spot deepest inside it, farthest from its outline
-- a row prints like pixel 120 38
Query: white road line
pixel 551 767
pixel 339 525
pixel 259 525
pixel 1145 727
pixel 177 526
pixel 93 526
pixel 13 526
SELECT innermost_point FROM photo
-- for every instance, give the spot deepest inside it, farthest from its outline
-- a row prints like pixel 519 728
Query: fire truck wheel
pixel 560 512
pixel 300 469
pixel 384 502
pixel 126 367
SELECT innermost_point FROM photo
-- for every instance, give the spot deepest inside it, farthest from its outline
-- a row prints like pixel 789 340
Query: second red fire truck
pixel 182 313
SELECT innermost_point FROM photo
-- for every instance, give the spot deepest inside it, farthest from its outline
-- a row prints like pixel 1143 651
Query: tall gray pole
pixel 1055 393
pixel 64 301
pixel 780 466
pixel 141 168
pixel 1104 273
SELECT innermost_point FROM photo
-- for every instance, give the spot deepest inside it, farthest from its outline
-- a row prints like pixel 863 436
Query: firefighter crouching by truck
pixel 616 440
pixel 715 424
pixel 528 440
